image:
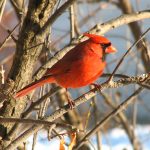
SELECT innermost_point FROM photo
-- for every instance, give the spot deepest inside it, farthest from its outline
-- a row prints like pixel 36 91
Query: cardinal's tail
pixel 30 87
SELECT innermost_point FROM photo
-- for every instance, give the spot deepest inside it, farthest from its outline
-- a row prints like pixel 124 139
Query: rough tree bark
pixel 28 49
pixel 29 46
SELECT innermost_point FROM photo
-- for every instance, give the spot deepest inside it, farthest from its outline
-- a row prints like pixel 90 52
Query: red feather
pixel 81 66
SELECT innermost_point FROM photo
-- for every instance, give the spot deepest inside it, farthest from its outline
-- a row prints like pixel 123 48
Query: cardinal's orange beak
pixel 111 49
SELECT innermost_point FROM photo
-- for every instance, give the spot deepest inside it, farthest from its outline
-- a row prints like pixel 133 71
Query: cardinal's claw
pixel 97 87
pixel 70 101
pixel 71 104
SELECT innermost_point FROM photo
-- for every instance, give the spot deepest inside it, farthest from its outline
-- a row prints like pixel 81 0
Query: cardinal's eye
pixel 105 45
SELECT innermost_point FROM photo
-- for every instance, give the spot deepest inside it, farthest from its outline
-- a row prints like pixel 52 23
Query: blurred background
pixel 88 13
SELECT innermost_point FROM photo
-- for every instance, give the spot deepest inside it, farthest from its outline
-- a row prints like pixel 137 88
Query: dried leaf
pixel 73 141
pixel 62 146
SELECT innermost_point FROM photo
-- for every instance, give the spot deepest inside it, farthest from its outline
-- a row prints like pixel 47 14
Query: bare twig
pixel 123 57
pixel 120 108
pixel 28 121
pixel 126 7
pixel 32 108
pixel 122 119
pixel 33 121
pixel 58 113
pixel 34 141
pixel 2 74
pixel 10 34
pixel 17 4
pixel 98 29
pixel 38 102
pixel 72 21
pixel 98 135
pixel 2 6
pixel 58 12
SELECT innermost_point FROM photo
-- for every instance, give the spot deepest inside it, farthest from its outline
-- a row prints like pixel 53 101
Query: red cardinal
pixel 81 66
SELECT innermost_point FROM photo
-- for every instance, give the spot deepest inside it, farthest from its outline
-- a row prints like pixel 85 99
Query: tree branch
pixel 116 111
pixel 144 78
pixel 99 29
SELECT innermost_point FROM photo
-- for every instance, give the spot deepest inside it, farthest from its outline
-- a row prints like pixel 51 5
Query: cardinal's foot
pixel 71 104
pixel 97 87
pixel 70 101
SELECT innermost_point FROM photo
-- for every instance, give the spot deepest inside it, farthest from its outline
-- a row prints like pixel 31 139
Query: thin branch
pixel 27 121
pixel 17 4
pixel 126 7
pixel 123 57
pixel 121 117
pixel 58 12
pixel 2 6
pixel 99 29
pixel 119 108
pixel 34 141
pixel 58 113
pixel 72 21
pixel 33 121
pixel 7 38
pixel 2 75
pixel 32 108
pixel 38 102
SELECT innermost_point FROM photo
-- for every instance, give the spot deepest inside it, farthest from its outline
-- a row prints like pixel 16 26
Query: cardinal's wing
pixel 65 64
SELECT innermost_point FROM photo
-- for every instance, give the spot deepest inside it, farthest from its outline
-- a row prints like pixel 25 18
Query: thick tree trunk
pixel 28 49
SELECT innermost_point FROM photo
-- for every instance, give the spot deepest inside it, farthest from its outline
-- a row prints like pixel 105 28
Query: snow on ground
pixel 115 139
